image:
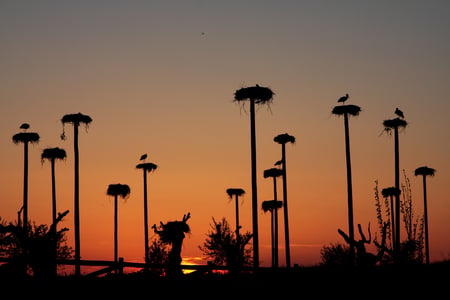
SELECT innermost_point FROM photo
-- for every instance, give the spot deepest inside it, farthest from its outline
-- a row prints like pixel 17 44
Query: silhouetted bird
pixel 25 126
pixel 143 156
pixel 399 113
pixel 343 98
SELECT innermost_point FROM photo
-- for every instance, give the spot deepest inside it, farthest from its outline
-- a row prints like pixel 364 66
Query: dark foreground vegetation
pixel 381 281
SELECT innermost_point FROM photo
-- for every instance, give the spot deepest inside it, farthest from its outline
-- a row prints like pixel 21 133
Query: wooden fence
pixel 112 266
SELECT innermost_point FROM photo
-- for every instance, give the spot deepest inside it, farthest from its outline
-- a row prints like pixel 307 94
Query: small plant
pixel 225 248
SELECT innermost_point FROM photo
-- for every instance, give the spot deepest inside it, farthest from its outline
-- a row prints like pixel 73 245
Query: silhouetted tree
pixel 25 138
pixel 146 168
pixel 283 139
pixel 424 172
pixel 158 256
pixel 52 154
pixel 76 120
pixel 364 258
pixel 346 111
pixel 236 192
pixel 255 95
pixel 116 190
pixel 224 247
pixel 395 124
pixel 173 233
pixel 274 173
pixel 39 255
pixel 335 255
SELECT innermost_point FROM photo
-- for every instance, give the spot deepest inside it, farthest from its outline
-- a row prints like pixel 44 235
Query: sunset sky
pixel 159 77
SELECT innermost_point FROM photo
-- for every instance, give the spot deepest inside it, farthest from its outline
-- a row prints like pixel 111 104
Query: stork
pixel 24 126
pixel 343 98
pixel 399 113
pixel 143 156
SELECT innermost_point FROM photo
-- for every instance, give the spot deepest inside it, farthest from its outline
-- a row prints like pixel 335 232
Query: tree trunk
pixel 254 186
pixel 425 216
pixel 76 202
pixel 349 188
pixel 285 207
pixel 146 218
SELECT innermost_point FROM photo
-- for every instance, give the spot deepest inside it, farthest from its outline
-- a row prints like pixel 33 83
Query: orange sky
pixel 153 83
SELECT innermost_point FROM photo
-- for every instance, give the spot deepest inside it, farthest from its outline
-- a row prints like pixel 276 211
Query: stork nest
pixel 26 137
pixel 394 123
pixel 149 167
pixel 284 138
pixel 425 171
pixel 271 205
pixel 235 192
pixel 53 153
pixel 118 189
pixel 259 94
pixel 350 109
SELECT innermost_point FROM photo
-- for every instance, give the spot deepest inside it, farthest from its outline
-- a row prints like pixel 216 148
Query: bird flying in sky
pixel 343 98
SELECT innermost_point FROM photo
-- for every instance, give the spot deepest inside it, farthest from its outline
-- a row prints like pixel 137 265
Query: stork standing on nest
pixel 343 98
pixel 399 113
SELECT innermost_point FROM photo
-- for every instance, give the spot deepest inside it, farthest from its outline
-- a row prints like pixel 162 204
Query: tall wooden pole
pixel 254 186
pixel 275 222
pixel 349 188
pixel 237 220
pixel 425 216
pixel 25 188
pixel 397 195
pixel 77 202
pixel 145 218
pixel 285 207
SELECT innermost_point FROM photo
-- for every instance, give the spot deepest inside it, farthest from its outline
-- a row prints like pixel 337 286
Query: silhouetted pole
pixel 391 192
pixel 236 192
pixel 393 219
pixel 349 187
pixel 254 186
pixel 75 120
pixel 285 208
pixel 116 240
pixel 25 138
pixel 237 219
pixel 77 201
pixel 397 196
pixel 256 95
pixel 146 167
pixel 345 110
pixel 283 139
pixel 425 217
pixel 117 190
pixel 389 125
pixel 25 187
pixel 275 220
pixel 425 171
pixel 147 248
